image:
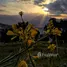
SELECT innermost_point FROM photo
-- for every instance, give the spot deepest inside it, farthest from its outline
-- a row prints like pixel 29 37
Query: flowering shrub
pixel 51 30
pixel 27 33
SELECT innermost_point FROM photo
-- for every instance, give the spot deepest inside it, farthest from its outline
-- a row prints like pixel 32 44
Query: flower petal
pixel 22 64
pixel 10 32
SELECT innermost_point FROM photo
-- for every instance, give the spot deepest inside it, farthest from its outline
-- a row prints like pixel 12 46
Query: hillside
pixel 4 26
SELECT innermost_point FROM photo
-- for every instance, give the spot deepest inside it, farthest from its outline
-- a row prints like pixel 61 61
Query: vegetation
pixel 30 37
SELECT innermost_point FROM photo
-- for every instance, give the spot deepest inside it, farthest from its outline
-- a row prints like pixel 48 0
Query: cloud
pixel 12 7
pixel 31 9
pixel 34 6
pixel 58 7
pixel 1 10
pixel 32 12
pixel 38 1
pixel 55 6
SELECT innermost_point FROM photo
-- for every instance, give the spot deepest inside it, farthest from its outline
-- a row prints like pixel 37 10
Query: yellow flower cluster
pixel 10 32
pixel 35 57
pixel 22 64
pixel 52 47
pixel 52 30
pixel 15 31
pixel 26 35
pixel 33 32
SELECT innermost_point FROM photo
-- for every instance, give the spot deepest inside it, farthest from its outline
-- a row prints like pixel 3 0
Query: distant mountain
pixel 34 18
pixel 4 26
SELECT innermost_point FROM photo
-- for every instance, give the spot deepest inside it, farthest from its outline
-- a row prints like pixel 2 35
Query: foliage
pixel 52 31
pixel 27 33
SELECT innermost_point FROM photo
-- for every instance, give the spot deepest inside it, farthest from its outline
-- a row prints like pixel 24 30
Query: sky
pixel 12 7
pixel 34 10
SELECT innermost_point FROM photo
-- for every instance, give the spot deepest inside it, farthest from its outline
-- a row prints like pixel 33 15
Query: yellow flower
pixel 16 31
pixel 10 32
pixel 22 64
pixel 56 31
pixel 30 42
pixel 33 32
pixel 52 47
pixel 29 33
pixel 35 57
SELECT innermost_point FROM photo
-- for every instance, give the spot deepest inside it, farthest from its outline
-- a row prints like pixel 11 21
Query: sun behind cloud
pixel 12 8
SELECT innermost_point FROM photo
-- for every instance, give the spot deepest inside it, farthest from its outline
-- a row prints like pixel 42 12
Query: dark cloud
pixel 59 6
pixel 38 1
pixel 2 10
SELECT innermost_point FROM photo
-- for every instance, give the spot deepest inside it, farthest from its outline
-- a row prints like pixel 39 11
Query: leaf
pixel 13 37
pixel 33 41
pixel 29 27
pixel 14 26
pixel 21 38
pixel 16 31
pixel 10 32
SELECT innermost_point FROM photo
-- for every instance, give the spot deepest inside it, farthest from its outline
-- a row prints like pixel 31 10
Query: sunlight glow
pixel 47 2
pixel 45 9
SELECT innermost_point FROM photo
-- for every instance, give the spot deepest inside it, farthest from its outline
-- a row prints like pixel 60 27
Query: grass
pixel 5 50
